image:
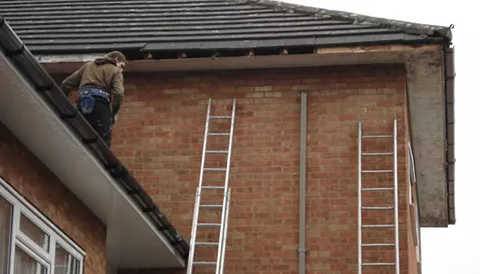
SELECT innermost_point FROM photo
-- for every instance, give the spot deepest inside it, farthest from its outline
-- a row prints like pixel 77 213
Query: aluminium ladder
pixel 393 206
pixel 224 206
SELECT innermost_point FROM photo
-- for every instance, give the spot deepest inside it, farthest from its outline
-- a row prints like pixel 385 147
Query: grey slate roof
pixel 67 26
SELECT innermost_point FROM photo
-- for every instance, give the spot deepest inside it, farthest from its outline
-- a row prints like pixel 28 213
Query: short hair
pixel 117 55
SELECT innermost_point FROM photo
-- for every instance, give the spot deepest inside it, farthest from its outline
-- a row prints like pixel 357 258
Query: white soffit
pixel 132 240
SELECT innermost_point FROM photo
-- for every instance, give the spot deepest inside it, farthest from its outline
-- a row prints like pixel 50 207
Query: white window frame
pixel 18 239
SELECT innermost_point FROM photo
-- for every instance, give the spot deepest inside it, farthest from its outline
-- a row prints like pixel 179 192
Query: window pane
pixel 74 266
pixel 24 264
pixel 65 263
pixel 6 210
pixel 34 233
pixel 61 260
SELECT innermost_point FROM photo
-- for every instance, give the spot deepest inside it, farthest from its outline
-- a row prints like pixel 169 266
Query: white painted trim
pixel 412 164
pixel 32 253
pixel 410 196
pixel 14 228
pixel 24 239
pixel 52 251
pixel 417 235
pixel 46 258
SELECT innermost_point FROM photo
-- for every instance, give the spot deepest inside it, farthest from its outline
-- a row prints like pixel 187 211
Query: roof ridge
pixel 408 27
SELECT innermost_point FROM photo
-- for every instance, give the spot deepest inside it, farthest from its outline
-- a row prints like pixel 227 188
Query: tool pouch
pixel 86 101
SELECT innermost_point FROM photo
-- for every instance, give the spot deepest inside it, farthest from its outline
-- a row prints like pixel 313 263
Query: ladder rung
pixel 211 206
pixel 377 207
pixel 376 136
pixel 209 224
pixel 377 264
pixel 217 151
pixel 220 117
pixel 206 244
pixel 214 169
pixel 377 153
pixel 379 244
pixel 204 263
pixel 378 171
pixel 378 226
pixel 213 187
pixel 377 189
pixel 219 134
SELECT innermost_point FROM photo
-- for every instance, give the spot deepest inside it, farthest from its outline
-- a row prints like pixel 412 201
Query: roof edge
pixel 44 84
pixel 408 27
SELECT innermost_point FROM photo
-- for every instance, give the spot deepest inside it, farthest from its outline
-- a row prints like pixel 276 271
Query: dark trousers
pixel 101 119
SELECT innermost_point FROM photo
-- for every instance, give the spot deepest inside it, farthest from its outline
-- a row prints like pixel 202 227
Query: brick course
pixel 33 180
pixel 159 136
pixel 412 236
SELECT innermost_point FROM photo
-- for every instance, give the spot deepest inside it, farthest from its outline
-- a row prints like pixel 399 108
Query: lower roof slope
pixel 69 26
pixel 36 75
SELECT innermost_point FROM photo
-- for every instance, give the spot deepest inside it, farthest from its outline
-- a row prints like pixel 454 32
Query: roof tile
pixel 60 26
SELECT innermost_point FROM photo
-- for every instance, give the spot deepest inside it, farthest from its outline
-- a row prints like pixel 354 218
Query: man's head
pixel 119 58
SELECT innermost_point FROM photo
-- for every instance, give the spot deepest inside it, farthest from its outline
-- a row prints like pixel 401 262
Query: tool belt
pixel 86 98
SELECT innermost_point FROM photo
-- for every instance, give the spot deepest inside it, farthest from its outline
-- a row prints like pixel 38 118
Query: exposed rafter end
pixel 284 51
pixel 182 55
pixel 215 55
pixel 251 53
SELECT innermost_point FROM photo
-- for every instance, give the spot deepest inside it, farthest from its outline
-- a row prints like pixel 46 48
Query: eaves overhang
pixel 432 100
pixel 34 108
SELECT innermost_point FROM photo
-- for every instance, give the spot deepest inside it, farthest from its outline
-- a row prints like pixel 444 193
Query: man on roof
pixel 100 91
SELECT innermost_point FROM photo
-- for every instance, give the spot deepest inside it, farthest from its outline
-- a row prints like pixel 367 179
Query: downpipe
pixel 302 193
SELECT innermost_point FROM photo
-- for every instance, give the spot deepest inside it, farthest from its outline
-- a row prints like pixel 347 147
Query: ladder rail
pixel 395 186
pixel 194 232
pixel 225 232
pixel 204 149
pixel 198 193
pixel 359 229
pixel 225 192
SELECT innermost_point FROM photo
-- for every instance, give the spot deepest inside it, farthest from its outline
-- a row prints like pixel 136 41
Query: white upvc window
pixel 30 243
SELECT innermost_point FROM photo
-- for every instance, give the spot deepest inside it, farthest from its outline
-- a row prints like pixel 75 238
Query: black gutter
pixel 23 59
pixel 450 123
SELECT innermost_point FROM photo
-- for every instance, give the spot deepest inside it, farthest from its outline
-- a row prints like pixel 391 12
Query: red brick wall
pixel 159 136
pixel 24 172
pixel 412 259
pixel 413 237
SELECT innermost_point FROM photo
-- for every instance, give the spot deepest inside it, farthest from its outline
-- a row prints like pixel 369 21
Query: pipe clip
pixel 302 250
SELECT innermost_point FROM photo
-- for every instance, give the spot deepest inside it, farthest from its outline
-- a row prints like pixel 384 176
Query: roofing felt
pixel 58 26
pixel 36 75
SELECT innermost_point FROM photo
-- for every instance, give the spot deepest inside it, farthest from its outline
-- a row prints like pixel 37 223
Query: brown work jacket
pixel 101 73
